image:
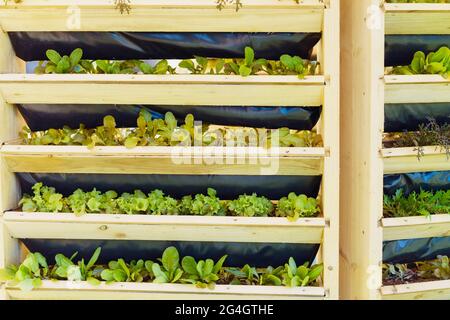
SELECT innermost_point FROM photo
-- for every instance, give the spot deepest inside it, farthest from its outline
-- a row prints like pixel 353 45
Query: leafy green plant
pixel 44 199
pixel 29 274
pixel 434 63
pixel 251 206
pixel 61 64
pixel 437 269
pixel 424 203
pixel 297 206
pixel 300 276
pixel 136 203
pixel 169 271
pixel 203 273
pixel 203 205
pixel 65 268
pixel 429 134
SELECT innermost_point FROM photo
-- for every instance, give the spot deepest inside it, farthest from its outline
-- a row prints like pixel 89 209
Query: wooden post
pixel 330 132
pixel 362 115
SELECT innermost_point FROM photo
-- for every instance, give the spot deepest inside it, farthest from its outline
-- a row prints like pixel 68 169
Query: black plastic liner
pixel 239 254
pixel 400 49
pixel 43 116
pixel 228 187
pixel 409 182
pixel 412 250
pixel 30 46
pixel 408 117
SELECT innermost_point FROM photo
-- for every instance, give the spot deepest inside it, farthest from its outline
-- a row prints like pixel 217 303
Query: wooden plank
pixel 406 160
pixel 435 226
pixel 435 290
pixel 417 89
pixel 177 228
pixel 163 16
pixel 163 90
pixel 330 132
pixel 417 18
pixel 72 159
pixel 362 118
pixel 83 290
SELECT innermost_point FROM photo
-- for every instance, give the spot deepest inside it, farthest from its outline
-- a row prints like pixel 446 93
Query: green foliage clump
pixel 424 203
pixel 250 206
pixel 434 63
pixel 297 206
pixel 203 205
pixel 202 273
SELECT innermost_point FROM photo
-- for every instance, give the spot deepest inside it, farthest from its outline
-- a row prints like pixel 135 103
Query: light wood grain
pixel 190 16
pixel 417 89
pixel 163 90
pixel 435 226
pixel 417 18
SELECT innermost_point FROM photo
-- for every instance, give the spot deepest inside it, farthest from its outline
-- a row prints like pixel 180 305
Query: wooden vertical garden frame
pixel 165 16
pixel 365 90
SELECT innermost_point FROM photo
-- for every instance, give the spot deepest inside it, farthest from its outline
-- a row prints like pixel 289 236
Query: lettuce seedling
pixel 158 204
pixel 300 276
pixel 120 271
pixel 136 203
pixel 203 273
pixel 250 206
pixel 169 271
pixel 67 269
pixel 44 199
pixel 29 274
pixel 61 64
pixel 294 207
pixel 434 63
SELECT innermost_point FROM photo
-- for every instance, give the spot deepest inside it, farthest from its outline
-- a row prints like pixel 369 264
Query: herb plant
pixel 250 206
pixel 424 203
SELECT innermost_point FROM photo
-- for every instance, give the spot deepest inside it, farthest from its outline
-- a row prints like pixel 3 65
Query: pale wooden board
pixel 435 226
pixel 436 290
pixel 72 159
pixel 178 228
pixel 417 18
pixel 83 290
pixel 329 126
pixel 405 160
pixel 362 118
pixel 163 16
pixel 417 89
pixel 164 90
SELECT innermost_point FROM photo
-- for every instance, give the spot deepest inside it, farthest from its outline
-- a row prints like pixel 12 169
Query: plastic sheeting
pixel 408 117
pixel 438 180
pixel 42 116
pixel 31 46
pixel 239 254
pixel 228 187
pixel 405 251
pixel 400 49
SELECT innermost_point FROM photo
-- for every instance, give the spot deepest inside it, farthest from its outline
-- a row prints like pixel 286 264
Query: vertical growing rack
pixel 367 89
pixel 167 16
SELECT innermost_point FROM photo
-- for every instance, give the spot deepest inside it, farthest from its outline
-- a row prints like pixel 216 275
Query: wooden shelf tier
pixel 159 16
pixel 23 225
pixel 149 291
